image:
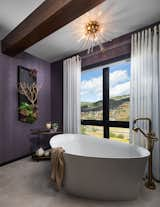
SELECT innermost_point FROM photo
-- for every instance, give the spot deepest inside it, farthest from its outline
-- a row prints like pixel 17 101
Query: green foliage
pixel 120 136
pixel 30 119
pixel 83 129
pixel 55 125
pixel 27 112
pixel 94 129
pixel 25 105
pixel 112 134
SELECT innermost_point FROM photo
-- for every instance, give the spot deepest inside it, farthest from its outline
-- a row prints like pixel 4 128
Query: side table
pixel 40 138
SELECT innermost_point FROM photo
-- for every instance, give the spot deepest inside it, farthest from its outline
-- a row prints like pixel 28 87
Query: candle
pixel 48 125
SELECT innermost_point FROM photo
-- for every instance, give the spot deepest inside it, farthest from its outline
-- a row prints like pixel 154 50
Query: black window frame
pixel 106 123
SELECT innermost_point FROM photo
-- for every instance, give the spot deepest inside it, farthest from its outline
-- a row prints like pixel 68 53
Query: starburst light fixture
pixel 93 35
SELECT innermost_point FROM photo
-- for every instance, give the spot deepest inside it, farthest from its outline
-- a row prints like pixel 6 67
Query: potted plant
pixel 55 126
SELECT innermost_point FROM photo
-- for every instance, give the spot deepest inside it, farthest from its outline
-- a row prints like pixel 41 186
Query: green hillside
pixel 97 106
pixel 119 109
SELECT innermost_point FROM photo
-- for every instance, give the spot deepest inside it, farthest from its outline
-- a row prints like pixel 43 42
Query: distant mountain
pixel 88 106
pixel 115 102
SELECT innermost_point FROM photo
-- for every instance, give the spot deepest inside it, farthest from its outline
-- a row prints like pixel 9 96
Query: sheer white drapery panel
pixel 145 87
pixel 71 94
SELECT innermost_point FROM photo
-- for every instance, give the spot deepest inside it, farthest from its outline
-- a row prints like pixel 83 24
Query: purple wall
pixel 57 92
pixel 15 135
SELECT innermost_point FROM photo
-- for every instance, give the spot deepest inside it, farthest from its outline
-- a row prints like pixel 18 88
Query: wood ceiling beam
pixel 46 19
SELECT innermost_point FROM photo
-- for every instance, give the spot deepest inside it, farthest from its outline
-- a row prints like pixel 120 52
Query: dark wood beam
pixel 115 50
pixel 46 19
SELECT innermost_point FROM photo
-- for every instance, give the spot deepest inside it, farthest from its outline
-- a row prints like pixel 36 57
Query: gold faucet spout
pixel 143 119
pixel 150 136
pixel 139 129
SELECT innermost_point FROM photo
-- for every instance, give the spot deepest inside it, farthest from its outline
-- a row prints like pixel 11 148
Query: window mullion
pixel 106 101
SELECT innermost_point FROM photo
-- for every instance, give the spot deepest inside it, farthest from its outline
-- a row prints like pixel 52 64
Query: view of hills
pixel 119 102
pixel 118 108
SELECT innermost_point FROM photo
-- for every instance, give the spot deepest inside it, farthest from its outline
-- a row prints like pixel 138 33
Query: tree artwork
pixel 27 95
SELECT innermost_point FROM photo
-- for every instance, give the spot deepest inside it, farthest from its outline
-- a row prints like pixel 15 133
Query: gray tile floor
pixel 26 184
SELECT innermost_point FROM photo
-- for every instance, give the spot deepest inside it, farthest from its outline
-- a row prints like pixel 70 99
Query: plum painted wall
pixel 15 135
pixel 57 92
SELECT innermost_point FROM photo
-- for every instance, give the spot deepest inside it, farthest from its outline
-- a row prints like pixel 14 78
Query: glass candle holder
pixel 48 125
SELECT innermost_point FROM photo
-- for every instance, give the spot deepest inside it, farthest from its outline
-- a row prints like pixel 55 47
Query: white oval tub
pixel 101 168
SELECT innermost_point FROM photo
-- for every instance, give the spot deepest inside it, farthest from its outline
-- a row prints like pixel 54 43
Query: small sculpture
pixel 40 152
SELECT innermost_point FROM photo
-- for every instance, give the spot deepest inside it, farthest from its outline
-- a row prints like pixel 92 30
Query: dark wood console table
pixel 40 138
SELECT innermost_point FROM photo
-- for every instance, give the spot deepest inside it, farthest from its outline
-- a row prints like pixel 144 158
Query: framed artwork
pixel 27 95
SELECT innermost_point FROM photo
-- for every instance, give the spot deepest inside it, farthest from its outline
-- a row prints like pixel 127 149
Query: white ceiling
pixel 12 12
pixel 117 16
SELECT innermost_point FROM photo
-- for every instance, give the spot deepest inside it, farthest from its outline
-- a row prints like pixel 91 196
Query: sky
pixel 119 80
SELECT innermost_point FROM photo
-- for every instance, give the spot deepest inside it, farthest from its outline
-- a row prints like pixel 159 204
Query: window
pixel 91 95
pixel 119 134
pixel 105 100
pixel 96 131
pixel 119 90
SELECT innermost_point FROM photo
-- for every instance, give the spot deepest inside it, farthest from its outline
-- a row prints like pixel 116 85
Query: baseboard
pixel 14 160
pixel 19 158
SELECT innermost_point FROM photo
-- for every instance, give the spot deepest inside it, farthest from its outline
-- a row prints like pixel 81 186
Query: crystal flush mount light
pixel 93 35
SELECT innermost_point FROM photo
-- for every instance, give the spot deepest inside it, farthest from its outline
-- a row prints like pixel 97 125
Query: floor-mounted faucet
pixel 150 136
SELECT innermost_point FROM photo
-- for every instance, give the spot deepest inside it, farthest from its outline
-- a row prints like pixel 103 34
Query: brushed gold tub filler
pixel 150 136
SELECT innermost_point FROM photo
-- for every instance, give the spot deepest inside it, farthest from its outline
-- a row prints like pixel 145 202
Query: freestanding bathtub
pixel 101 168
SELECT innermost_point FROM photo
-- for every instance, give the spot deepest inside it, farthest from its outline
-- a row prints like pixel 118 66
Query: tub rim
pixel 146 151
